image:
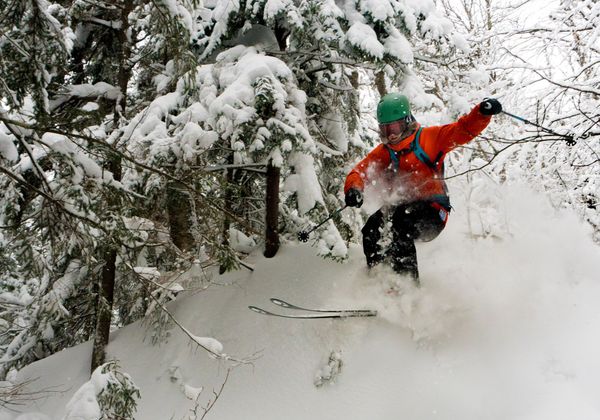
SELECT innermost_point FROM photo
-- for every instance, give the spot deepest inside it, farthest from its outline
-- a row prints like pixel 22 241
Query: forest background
pixel 138 137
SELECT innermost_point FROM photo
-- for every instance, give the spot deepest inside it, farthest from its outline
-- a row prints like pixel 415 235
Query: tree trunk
pixel 272 212
pixel 106 288
pixel 273 175
pixel 179 208
pixel 107 280
pixel 228 196
pixel 104 310
pixel 380 83
pixel 281 34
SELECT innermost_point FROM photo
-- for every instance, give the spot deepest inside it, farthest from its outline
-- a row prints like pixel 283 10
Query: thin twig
pixel 220 356
pixel 212 403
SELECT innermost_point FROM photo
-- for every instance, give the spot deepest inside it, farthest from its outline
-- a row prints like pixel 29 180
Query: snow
pixel 90 107
pixel 460 42
pixel 100 89
pixel 398 46
pixel 221 12
pixel 178 12
pixel 214 346
pixel 459 104
pixel 63 144
pixel 191 392
pixel 379 10
pixel 363 37
pixel 275 7
pixel 478 76
pixel 62 286
pixel 436 26
pixel 412 87
pixel 503 327
pixel 148 273
pixel 304 182
pixel 32 416
pixel 333 128
pixel 8 150
pixel 84 405
pixel 409 15
pixel 239 79
pixel 228 95
pixel 241 242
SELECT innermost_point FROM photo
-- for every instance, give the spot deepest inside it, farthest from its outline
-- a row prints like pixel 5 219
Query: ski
pixel 323 315
pixel 284 304
pixel 313 313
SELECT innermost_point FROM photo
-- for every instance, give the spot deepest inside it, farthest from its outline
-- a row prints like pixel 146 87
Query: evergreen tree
pixel 137 146
pixel 72 231
pixel 330 49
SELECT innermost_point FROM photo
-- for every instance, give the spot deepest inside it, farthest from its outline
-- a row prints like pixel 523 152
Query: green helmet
pixel 392 107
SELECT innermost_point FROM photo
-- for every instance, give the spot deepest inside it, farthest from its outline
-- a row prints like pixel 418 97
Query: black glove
pixel 490 106
pixel 354 198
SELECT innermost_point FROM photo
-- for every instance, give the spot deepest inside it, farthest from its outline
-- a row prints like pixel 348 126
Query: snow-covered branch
pixel 213 347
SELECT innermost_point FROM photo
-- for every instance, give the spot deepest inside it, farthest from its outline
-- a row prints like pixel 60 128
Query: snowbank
pixel 503 328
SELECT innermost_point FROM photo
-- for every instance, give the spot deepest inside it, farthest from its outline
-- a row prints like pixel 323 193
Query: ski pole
pixel 303 234
pixel 568 137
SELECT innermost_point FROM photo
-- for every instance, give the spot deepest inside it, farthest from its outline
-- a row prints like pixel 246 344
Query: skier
pixel 408 168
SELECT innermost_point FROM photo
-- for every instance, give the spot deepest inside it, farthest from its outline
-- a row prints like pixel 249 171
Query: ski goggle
pixel 391 132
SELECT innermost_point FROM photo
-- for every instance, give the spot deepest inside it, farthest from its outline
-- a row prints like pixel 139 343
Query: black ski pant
pixel 420 220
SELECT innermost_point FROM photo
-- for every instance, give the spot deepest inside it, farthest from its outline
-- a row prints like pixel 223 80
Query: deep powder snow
pixel 502 328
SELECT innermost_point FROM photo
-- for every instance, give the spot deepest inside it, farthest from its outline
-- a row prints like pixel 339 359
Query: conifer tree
pixel 146 124
pixel 331 49
pixel 73 231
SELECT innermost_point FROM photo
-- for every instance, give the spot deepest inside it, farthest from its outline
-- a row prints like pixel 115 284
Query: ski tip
pixel 257 310
pixel 280 302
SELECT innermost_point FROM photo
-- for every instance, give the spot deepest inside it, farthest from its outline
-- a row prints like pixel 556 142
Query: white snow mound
pixel 500 329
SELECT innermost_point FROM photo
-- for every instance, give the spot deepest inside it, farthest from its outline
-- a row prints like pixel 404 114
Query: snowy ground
pixel 501 329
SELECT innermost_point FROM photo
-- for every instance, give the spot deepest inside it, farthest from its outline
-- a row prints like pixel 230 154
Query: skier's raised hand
pixel 490 106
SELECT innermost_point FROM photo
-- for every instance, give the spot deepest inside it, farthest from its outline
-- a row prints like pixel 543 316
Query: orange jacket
pixel 416 180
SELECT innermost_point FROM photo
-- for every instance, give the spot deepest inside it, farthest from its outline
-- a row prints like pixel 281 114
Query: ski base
pixel 284 304
pixel 313 313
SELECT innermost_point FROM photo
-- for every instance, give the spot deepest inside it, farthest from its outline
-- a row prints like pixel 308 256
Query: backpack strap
pixel 416 148
pixel 436 165
pixel 394 154
pixel 394 158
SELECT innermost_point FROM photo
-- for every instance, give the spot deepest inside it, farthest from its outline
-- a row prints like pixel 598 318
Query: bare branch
pixel 14 395
pixel 212 403
pixel 509 144
pixel 221 356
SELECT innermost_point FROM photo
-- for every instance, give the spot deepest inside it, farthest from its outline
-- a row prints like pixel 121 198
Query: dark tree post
pixel 229 182
pixel 180 211
pixel 380 83
pixel 104 309
pixel 273 174
pixel 106 288
pixel 272 213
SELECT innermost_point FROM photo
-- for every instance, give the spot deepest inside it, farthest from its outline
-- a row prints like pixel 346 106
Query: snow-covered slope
pixel 501 329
